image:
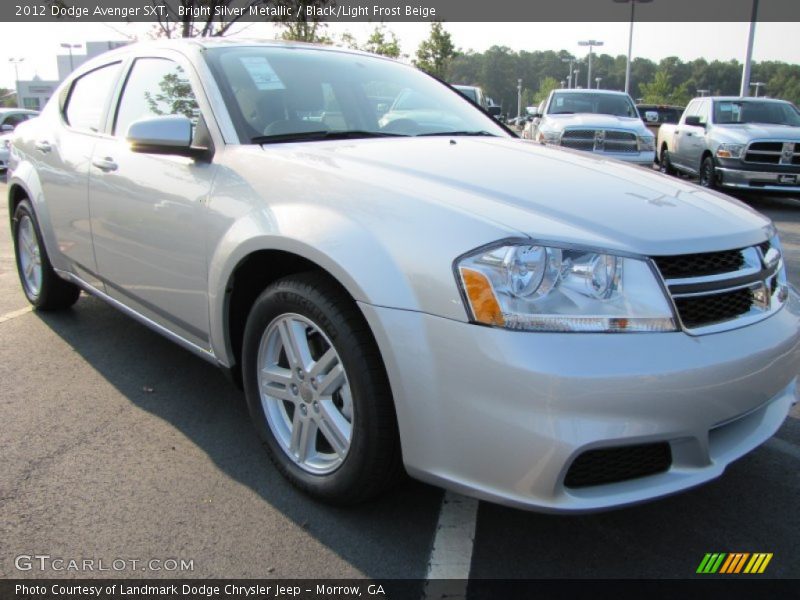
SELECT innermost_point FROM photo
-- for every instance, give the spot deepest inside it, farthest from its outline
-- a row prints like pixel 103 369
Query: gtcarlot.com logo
pixel 734 563
pixel 45 562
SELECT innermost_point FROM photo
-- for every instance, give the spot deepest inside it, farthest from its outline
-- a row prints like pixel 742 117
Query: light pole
pixel 745 89
pixel 591 44
pixel 571 61
pixel 598 80
pixel 758 85
pixel 70 47
pixel 575 72
pixel 630 41
pixel 519 99
pixel 15 62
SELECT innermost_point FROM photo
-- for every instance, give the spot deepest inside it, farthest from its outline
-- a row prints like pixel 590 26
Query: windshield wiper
pixel 563 112
pixel 447 133
pixel 313 136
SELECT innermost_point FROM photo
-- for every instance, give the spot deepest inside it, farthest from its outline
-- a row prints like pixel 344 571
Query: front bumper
pixel 501 415
pixel 764 181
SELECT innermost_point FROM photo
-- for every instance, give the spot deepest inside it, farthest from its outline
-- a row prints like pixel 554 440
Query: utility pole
pixel 745 89
pixel 591 44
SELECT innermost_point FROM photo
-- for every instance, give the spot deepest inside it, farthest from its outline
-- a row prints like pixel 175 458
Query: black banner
pixel 744 586
pixel 399 10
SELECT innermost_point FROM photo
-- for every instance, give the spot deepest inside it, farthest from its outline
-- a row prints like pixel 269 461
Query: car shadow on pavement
pixel 387 538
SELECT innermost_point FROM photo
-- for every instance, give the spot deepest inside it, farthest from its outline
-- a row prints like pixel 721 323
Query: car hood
pixel 759 131
pixel 547 193
pixel 592 121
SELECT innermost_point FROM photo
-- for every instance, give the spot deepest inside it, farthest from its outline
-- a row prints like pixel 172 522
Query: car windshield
pixel 283 94
pixel 727 112
pixel 469 92
pixel 619 105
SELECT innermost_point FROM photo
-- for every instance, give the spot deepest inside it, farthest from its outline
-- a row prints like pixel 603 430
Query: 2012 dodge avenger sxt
pixel 397 281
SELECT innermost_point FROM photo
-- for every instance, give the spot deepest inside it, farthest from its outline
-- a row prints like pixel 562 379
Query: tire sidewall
pixel 279 299
pixel 23 209
pixel 707 180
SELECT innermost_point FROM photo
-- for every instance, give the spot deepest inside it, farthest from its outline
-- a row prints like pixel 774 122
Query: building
pixel 34 94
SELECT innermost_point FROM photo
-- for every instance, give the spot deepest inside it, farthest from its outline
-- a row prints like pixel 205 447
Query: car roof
pixel 593 91
pixel 27 111
pixel 745 98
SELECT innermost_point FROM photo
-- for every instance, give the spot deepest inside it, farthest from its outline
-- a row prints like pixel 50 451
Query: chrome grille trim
pixel 772 152
pixel 600 140
pixel 754 274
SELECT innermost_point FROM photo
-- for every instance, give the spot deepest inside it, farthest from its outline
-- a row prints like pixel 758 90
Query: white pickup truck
pixel 735 143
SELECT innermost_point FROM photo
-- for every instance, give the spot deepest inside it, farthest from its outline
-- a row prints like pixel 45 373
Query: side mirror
pixel 693 121
pixel 6 128
pixel 494 110
pixel 163 135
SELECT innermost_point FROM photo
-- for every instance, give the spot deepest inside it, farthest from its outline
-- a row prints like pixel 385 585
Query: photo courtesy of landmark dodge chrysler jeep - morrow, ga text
pixel 735 143
pixel 533 326
pixel 603 122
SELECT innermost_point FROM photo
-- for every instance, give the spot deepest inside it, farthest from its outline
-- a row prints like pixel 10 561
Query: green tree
pixel 435 54
pixel 384 42
pixel 546 85
pixel 305 28
pixel 8 98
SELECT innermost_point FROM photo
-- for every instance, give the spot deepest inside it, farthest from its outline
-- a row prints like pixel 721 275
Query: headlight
pixel 549 137
pixel 773 259
pixel 730 150
pixel 647 143
pixel 544 288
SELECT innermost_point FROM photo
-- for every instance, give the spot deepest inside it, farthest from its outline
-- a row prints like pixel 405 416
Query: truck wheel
pixel 42 286
pixel 665 164
pixel 318 392
pixel 708 173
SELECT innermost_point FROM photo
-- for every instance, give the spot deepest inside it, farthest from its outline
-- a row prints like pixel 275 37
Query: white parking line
pixel 15 313
pixel 783 446
pixel 451 555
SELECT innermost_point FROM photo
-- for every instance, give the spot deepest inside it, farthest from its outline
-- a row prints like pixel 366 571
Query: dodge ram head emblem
pixel 787 153
pixel 599 139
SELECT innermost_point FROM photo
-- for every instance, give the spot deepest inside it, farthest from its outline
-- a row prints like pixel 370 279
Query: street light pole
pixel 591 44
pixel 598 80
pixel 519 99
pixel 576 71
pixel 745 89
pixel 758 85
pixel 630 41
pixel 70 47
pixel 15 62
pixel 571 61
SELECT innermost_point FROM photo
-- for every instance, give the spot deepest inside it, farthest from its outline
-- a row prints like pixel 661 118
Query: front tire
pixel 318 392
pixel 43 288
pixel 708 173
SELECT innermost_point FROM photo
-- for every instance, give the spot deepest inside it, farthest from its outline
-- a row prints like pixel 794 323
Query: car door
pixel 148 210
pixel 62 153
pixel 681 136
pixel 694 141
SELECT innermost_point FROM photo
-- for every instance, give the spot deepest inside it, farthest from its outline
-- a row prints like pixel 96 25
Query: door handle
pixel 43 146
pixel 105 164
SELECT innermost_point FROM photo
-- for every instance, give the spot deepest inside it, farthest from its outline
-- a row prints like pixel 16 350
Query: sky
pixel 38 43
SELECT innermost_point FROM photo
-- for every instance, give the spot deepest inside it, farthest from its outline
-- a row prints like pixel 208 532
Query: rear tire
pixel 43 288
pixel 665 164
pixel 318 392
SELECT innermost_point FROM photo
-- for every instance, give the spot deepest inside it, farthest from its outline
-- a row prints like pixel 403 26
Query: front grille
pixel 609 141
pixel 699 265
pixel 699 311
pixel 612 465
pixel 773 153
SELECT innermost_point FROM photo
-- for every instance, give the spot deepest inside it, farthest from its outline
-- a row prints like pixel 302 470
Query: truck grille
pixel 773 153
pixel 612 465
pixel 718 288
pixel 600 140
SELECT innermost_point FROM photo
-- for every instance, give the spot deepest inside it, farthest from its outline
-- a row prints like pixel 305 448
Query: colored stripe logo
pixel 734 563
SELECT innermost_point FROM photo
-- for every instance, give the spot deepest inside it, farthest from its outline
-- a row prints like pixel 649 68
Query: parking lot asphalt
pixel 117 444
